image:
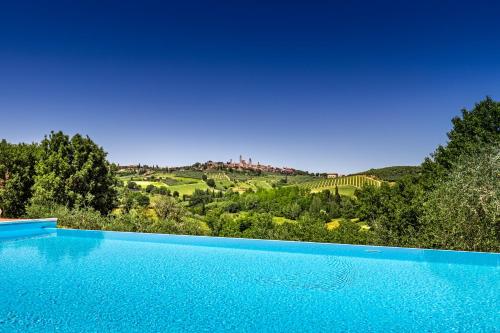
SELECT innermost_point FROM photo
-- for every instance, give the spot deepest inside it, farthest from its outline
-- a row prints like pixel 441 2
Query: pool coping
pixel 27 221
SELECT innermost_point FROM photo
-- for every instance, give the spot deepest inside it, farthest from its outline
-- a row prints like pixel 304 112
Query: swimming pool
pixel 90 281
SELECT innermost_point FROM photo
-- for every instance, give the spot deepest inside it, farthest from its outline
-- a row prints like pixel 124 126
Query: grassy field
pixel 218 176
pixel 183 185
pixel 145 183
pixel 335 223
pixel 281 220
pixel 186 182
pixel 188 189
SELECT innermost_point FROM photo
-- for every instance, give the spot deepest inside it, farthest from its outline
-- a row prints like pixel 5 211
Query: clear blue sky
pixel 326 86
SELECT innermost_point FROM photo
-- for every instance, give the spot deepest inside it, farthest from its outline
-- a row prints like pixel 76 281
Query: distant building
pixel 249 165
pixel 332 175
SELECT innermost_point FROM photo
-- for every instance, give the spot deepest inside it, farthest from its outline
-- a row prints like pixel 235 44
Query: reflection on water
pixel 53 248
pixel 70 248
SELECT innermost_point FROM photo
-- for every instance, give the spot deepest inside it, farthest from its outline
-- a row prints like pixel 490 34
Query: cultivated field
pixel 186 182
pixel 351 181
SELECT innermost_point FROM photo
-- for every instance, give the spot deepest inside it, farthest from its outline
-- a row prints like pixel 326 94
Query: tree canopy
pixel 17 170
pixel 474 130
pixel 73 172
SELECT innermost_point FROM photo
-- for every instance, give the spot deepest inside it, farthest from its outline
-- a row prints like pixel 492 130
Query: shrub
pixel 79 218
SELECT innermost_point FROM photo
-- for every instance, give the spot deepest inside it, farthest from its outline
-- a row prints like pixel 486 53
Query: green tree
pixel 75 173
pixel 257 226
pixel 200 197
pixel 131 185
pixel 162 190
pixel 211 182
pixel 337 197
pixel 463 212
pixel 168 208
pixel 393 211
pixel 369 202
pixel 142 200
pixel 17 171
pixel 477 128
pixel 127 201
pixel 316 206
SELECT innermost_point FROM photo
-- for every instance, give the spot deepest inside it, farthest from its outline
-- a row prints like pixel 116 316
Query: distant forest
pixel 392 173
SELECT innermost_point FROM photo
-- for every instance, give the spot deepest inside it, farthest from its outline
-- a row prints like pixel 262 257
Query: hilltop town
pixel 241 165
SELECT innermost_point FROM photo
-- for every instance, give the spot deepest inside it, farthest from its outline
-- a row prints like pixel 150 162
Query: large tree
pixel 476 129
pixel 74 172
pixel 463 212
pixel 17 170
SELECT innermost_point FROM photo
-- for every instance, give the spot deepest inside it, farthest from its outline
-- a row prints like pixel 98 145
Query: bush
pixel 83 218
pixel 142 200
pixel 132 185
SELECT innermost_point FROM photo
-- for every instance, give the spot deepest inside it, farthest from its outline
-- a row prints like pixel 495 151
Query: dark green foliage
pixel 133 199
pixel 74 172
pixel 17 170
pixel 211 182
pixel 452 203
pixel 251 215
pixel 173 181
pixel 132 185
pixel 393 211
pixel 189 174
pixel 142 200
pixel 337 197
pixel 200 197
pixel 169 208
pixel 463 212
pixel 162 190
pixel 150 188
pixel 392 173
pixel 476 129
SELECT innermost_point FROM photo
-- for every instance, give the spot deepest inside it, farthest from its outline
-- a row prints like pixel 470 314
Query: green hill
pixel 392 173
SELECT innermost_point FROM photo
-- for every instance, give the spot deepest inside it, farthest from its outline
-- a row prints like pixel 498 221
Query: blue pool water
pixel 88 281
